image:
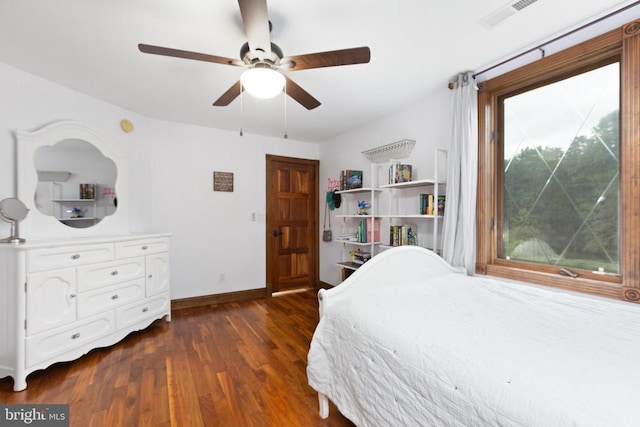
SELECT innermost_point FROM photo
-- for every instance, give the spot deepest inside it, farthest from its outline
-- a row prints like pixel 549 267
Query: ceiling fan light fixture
pixel 262 82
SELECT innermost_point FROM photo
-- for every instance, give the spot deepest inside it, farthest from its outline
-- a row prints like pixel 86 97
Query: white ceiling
pixel 416 47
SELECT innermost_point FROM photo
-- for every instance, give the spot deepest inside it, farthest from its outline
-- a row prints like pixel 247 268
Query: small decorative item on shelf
pixel 362 207
pixel 412 234
pixel 76 212
pixel 350 179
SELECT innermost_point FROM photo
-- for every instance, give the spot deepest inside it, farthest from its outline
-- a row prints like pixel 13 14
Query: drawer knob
pixel 114 296
pixel 114 273
pixel 75 336
pixel 145 247
pixel 144 310
pixel 150 276
pixel 72 296
pixel 75 256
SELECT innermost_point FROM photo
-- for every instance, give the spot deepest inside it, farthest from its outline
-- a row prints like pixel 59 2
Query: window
pixel 560 173
pixel 558 169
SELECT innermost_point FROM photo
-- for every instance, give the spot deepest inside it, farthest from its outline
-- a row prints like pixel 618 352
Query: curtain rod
pixel 541 46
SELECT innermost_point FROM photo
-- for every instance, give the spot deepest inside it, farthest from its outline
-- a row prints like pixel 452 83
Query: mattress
pixel 453 350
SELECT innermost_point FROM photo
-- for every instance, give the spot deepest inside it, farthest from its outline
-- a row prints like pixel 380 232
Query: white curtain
pixel 459 233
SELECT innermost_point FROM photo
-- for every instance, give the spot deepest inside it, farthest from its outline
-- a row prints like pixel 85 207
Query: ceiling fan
pixel 260 56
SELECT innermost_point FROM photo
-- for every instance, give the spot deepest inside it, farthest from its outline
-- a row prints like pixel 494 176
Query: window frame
pixel 620 45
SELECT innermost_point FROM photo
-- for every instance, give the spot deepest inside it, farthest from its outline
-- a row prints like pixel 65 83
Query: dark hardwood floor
pixel 233 364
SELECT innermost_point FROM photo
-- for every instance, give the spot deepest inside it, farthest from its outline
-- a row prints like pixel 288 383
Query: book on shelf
pixel 350 179
pixel 399 172
pixel 359 257
pixel 400 235
pixel 364 232
pixel 347 237
pixel 429 203
pixel 376 230
pixel 441 204
pixel 426 204
pixel 87 191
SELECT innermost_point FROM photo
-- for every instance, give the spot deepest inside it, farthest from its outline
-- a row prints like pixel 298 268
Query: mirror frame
pixel 39 225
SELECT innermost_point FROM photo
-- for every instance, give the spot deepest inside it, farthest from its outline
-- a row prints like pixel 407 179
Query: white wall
pixel 427 122
pixel 171 167
pixel 213 233
pixel 170 181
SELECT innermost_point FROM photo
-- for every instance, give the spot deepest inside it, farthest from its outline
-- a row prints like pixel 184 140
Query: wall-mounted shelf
pixel 417 183
pixel 357 190
pixel 395 150
pixel 53 176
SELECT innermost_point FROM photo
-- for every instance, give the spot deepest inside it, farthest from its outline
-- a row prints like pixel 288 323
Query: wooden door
pixel 292 223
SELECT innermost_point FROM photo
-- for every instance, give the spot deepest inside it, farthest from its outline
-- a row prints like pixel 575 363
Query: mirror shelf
pixel 53 176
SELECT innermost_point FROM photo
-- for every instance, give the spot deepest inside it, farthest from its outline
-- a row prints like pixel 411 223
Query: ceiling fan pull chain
pixel 241 121
pixel 285 111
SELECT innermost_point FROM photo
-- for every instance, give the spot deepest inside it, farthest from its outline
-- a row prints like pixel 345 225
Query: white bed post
pixel 323 400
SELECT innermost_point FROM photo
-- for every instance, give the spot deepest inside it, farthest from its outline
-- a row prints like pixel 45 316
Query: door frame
pixel 270 217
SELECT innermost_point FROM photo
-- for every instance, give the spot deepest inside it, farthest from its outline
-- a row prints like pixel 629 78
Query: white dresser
pixel 61 298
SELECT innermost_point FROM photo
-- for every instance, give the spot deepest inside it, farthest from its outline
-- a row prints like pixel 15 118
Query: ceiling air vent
pixel 502 13
pixel 519 5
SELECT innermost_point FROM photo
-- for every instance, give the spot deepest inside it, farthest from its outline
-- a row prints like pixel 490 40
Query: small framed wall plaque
pixel 223 181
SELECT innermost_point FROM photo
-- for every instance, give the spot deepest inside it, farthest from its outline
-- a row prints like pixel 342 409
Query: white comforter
pixel 453 350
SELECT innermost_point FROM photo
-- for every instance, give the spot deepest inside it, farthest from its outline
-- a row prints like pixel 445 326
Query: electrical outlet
pixel 222 277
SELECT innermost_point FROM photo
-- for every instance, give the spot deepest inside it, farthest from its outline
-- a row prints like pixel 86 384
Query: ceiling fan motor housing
pixel 255 58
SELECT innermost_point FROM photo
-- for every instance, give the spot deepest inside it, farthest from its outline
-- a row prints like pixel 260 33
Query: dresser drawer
pixel 150 308
pixel 132 248
pixel 97 276
pixel 48 259
pixel 90 303
pixel 47 345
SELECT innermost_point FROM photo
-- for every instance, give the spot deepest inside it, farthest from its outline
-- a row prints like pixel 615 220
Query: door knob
pixel 276 233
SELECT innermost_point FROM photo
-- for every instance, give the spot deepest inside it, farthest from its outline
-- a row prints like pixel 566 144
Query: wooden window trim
pixel 621 44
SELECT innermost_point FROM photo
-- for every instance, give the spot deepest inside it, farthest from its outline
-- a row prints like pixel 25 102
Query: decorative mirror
pixel 73 179
pixel 13 211
pixel 76 183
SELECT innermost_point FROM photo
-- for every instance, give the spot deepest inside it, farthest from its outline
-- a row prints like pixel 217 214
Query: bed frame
pixel 534 355
pixel 379 271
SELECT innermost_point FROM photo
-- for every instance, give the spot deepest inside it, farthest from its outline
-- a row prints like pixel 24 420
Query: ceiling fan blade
pixel 166 51
pixel 231 94
pixel 255 17
pixel 333 58
pixel 303 97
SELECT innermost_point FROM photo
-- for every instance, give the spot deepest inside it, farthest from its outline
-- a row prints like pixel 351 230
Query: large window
pixel 559 169
pixel 560 173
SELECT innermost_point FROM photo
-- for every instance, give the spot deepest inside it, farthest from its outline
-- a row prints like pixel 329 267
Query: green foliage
pixel 567 199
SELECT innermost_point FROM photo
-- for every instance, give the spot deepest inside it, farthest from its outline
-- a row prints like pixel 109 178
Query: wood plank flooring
pixel 233 364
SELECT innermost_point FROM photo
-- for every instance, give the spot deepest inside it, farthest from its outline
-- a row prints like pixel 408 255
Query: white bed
pixel 408 340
